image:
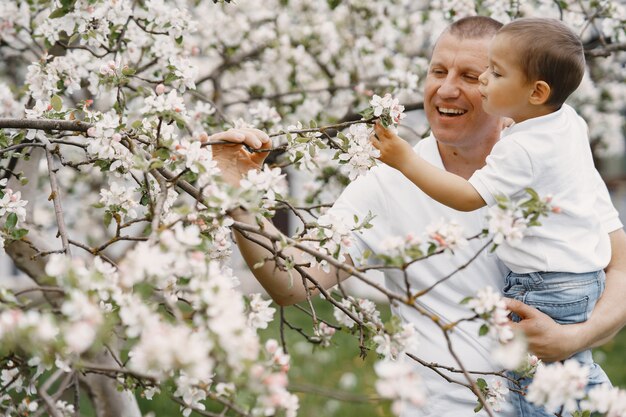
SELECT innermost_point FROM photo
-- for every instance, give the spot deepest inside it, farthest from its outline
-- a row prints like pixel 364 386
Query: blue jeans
pixel 565 297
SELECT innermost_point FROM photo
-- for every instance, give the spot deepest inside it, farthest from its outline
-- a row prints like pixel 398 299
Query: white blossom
pixel 558 385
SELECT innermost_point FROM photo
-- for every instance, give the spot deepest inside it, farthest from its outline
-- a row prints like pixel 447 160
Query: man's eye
pixel 437 72
pixel 471 77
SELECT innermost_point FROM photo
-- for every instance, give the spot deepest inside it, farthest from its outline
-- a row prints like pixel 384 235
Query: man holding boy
pixel 462 136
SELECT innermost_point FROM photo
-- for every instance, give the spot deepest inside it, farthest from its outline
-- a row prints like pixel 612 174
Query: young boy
pixel 534 65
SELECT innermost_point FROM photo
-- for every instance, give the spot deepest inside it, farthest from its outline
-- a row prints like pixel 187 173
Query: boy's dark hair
pixel 549 51
pixel 474 27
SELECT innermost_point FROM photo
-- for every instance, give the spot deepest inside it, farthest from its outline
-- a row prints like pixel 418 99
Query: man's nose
pixel 449 88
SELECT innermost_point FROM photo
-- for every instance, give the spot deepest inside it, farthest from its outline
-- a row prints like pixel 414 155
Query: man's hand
pixel 233 159
pixel 547 339
pixel 394 151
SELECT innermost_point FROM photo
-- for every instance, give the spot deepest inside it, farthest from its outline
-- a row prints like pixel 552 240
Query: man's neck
pixel 464 161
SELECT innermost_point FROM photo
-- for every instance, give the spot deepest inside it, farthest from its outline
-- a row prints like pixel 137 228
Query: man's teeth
pixel 450 111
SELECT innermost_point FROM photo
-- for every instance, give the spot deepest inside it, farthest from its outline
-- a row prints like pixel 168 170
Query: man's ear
pixel 540 94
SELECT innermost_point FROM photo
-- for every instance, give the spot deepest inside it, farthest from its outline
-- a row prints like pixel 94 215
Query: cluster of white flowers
pixel 46 79
pixel 611 401
pixel 259 311
pixel 363 309
pixel 105 141
pixel 390 346
pixel 497 392
pixel 30 329
pixel 264 115
pixel 559 385
pixel 388 106
pixel 360 155
pixel 506 224
pixel 490 305
pixel 271 181
pixel 164 348
pixel 400 383
pixel 192 391
pixel 84 319
pixel 303 150
pixel 164 104
pixel 194 157
pixel 331 237
pixel 120 199
pixel 186 71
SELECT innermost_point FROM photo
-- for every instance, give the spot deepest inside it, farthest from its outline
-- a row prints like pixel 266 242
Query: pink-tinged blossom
pixel 448 235
pixel 323 333
pixel 497 392
pixel 399 382
pixel 12 202
pixel 559 385
pixel 387 105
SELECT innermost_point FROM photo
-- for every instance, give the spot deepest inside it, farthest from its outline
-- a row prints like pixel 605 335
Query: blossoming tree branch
pixel 118 218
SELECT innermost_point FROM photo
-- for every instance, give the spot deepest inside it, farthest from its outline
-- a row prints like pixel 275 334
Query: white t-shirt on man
pixel 402 208
pixel 551 155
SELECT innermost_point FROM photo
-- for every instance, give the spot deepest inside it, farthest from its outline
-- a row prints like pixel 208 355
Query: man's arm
pixel 234 162
pixel 551 341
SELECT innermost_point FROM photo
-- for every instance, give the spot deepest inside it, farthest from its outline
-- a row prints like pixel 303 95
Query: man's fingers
pixel 231 135
pixel 253 138
pixel 522 310
pixel 259 157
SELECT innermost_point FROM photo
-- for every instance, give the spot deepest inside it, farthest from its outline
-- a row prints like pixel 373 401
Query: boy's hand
pixel 394 151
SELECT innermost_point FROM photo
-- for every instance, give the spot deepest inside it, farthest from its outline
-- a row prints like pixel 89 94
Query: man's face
pixel 452 102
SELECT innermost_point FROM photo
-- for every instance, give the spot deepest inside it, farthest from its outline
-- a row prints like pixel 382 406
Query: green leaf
pixel 11 221
pixel 60 12
pixel 17 234
pixel 478 407
pixel 128 71
pixel 482 384
pixel 484 329
pixel 466 300
pixel 107 218
pixel 56 102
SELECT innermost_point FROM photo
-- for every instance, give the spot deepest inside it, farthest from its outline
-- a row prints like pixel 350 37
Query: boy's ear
pixel 540 94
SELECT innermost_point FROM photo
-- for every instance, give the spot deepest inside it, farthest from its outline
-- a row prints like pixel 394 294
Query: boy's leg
pixel 566 298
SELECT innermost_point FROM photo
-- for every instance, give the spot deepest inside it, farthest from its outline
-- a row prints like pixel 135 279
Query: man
pixel 462 137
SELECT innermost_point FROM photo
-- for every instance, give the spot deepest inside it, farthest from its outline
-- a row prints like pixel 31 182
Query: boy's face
pixel 503 86
pixel 452 102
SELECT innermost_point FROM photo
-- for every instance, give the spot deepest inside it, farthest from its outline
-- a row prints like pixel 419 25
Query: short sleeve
pixel 508 171
pixel 609 216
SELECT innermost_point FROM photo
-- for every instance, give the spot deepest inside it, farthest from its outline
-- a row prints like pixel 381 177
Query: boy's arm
pixel 447 188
